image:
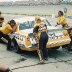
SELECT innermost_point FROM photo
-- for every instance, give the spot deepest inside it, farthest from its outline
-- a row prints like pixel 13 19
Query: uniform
pixel 4 33
pixel 62 20
pixel 43 39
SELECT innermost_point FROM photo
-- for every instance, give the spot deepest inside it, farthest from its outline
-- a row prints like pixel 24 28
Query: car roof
pixel 27 18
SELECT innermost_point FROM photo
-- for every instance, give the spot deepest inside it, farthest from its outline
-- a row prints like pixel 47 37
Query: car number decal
pixel 55 35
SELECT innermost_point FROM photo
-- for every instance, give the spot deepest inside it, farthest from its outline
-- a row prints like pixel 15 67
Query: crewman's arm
pixel 12 29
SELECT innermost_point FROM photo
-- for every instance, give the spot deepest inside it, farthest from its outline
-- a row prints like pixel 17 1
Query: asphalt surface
pixel 59 60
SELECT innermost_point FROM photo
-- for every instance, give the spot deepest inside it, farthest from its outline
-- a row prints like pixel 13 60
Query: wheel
pixel 15 46
pixel 55 48
pixel 65 46
pixel 68 47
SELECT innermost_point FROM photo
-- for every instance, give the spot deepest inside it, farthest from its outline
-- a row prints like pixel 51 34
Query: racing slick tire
pixel 68 47
pixel 55 48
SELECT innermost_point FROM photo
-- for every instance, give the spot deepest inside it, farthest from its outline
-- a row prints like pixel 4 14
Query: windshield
pixel 30 24
pixel 26 25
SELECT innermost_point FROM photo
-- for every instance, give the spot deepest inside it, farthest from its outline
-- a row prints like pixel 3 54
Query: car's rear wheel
pixel 68 47
pixel 15 47
pixel 55 48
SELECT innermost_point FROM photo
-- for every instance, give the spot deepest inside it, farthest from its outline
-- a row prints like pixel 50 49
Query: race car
pixel 23 38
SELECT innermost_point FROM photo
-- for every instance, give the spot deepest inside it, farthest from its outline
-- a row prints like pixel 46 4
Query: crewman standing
pixel 40 29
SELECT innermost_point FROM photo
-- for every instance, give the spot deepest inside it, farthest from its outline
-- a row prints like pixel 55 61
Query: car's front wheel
pixel 55 48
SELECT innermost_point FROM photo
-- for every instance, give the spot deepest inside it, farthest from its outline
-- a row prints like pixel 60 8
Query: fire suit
pixel 43 39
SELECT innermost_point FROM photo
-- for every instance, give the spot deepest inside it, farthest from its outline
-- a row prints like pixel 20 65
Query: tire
pixel 15 47
pixel 55 48
pixel 65 46
pixel 68 47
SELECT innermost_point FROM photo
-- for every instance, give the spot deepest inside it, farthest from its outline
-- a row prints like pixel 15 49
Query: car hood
pixel 27 31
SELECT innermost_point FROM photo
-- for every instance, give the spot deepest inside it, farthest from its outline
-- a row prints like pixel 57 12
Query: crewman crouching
pixel 8 28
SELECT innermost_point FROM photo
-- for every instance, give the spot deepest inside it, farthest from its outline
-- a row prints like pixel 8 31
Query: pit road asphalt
pixel 59 60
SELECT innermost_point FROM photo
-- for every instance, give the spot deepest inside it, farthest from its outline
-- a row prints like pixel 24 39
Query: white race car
pixel 24 35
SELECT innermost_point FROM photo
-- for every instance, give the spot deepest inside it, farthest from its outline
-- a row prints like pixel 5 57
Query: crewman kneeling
pixel 41 30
